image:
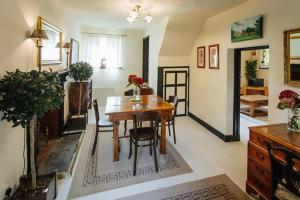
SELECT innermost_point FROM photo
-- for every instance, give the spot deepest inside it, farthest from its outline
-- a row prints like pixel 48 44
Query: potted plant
pixel 80 72
pixel 250 73
pixel 25 96
pixel 137 82
pixel 290 100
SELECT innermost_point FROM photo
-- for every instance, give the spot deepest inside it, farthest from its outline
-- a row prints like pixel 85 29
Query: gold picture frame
pixel 51 53
pixel 290 59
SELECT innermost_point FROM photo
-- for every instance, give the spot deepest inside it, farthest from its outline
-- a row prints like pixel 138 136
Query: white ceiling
pixel 114 12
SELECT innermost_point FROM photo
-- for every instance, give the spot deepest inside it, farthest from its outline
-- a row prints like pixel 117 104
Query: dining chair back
pixel 100 123
pixel 143 134
pixel 285 176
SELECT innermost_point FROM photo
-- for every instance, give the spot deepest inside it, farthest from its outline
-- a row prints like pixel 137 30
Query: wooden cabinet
pixel 259 168
pixel 53 120
pixel 74 97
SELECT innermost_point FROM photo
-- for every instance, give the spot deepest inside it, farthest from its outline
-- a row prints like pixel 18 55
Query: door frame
pixel 176 85
pixel 237 85
pixel 160 82
pixel 145 69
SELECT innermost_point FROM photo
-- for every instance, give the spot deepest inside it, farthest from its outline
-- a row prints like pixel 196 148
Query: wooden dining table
pixel 120 108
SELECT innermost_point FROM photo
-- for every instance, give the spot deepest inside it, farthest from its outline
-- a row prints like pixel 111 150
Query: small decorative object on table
pixel 136 82
pixel 290 100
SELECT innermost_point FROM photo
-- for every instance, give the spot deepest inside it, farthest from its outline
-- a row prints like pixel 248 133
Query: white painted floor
pixel 206 154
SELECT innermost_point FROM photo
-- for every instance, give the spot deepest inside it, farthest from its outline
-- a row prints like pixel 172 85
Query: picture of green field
pixel 247 29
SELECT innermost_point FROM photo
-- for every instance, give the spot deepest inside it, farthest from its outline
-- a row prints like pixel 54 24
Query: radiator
pixel 101 95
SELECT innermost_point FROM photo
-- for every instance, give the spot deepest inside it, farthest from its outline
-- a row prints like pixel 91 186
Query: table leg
pixel 116 140
pixel 252 110
pixel 163 135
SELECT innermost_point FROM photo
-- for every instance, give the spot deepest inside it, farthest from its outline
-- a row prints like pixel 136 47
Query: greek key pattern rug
pixel 217 188
pixel 99 173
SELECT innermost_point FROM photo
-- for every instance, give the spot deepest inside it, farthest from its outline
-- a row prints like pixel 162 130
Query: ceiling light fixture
pixel 138 12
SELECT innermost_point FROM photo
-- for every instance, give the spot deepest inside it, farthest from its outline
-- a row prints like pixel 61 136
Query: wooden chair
pixel 171 120
pixel 285 176
pixel 100 124
pixel 143 134
pixel 127 93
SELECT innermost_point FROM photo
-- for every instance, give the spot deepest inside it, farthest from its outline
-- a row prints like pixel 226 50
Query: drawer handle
pixel 260 157
pixel 262 141
pixel 260 171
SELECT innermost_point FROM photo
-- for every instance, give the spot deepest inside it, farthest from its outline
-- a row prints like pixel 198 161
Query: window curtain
pixel 99 49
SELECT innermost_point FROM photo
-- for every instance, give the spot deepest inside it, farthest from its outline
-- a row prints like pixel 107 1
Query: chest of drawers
pixel 259 169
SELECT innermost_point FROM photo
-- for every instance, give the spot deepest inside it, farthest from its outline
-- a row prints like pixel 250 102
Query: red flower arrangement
pixel 135 80
pixel 288 100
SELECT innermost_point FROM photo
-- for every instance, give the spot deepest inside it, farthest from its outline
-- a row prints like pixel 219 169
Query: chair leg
pixel 130 148
pixel 173 124
pixel 125 127
pixel 155 157
pixel 169 128
pixel 135 158
pixel 95 142
pixel 150 146
pixel 119 145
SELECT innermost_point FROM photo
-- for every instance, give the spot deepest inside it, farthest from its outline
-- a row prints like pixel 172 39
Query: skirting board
pixel 225 138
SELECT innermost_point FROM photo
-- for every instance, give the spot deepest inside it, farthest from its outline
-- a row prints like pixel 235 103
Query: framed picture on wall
pixel 74 54
pixel 214 57
pixel 201 57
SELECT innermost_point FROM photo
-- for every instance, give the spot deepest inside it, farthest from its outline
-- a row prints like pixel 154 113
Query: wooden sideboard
pixel 259 168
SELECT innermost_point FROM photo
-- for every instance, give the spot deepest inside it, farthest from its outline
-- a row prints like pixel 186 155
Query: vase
pixel 294 119
pixel 137 93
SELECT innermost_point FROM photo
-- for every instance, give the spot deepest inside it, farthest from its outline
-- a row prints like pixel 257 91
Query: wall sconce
pixel 39 35
pixel 68 47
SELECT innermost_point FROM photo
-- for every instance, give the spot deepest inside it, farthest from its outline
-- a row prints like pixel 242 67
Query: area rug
pixel 217 187
pixel 99 173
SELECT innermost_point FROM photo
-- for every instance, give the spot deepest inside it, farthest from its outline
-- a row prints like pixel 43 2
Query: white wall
pixel 173 61
pixel 16 51
pixel 156 35
pixel 211 90
pixel 132 60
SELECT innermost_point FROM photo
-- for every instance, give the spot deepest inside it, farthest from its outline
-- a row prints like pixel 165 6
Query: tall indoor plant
pixel 290 100
pixel 250 70
pixel 80 72
pixel 25 96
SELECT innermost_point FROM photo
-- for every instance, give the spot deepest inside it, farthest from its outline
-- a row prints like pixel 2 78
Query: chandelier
pixel 137 12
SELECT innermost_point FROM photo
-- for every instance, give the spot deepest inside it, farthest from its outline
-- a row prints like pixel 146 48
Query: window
pixel 102 51
pixel 265 61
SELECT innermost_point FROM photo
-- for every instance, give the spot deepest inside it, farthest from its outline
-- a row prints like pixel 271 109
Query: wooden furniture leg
pixel 163 135
pixel 252 110
pixel 116 140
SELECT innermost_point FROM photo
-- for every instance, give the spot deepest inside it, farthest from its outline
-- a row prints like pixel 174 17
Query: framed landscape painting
pixel 214 56
pixel 201 57
pixel 247 29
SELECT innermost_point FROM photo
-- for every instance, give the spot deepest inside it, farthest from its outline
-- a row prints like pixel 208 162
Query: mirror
pixel 292 57
pixel 52 48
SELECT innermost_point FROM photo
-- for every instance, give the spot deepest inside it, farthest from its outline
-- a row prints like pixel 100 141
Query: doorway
pixel 251 80
pixel 174 81
pixel 146 59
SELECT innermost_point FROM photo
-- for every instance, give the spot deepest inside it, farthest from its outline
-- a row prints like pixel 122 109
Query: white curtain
pixel 98 47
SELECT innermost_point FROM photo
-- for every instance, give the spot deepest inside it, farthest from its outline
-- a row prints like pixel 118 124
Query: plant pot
pixel 294 119
pixel 256 82
pixel 45 190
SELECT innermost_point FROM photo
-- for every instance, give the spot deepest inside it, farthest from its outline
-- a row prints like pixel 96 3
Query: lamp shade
pixel 39 34
pixel 67 45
